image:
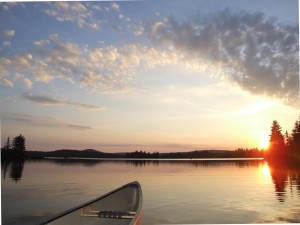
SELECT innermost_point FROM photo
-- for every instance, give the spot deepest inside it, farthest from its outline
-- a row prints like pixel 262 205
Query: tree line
pixel 238 153
pixel 142 154
pixel 284 146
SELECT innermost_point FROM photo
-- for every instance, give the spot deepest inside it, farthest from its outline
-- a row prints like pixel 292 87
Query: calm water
pixel 187 191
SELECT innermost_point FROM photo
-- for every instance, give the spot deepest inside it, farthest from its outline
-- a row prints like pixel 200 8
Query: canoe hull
pixel 103 210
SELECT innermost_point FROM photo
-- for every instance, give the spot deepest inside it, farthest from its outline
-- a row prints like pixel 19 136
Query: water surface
pixel 174 191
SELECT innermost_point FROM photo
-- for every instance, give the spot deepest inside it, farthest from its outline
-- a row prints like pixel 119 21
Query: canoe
pixel 122 206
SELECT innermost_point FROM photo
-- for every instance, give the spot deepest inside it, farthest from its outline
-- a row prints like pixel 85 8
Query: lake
pixel 174 191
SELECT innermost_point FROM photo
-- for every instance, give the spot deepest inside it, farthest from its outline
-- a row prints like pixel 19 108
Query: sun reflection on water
pixel 266 170
pixel 265 173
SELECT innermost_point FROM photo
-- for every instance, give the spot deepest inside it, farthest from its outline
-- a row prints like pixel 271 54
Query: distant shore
pixel 92 153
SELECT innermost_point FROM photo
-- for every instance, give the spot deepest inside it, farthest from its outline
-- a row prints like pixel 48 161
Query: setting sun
pixel 264 144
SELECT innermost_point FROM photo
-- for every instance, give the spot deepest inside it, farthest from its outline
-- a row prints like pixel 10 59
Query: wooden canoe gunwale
pixel 136 215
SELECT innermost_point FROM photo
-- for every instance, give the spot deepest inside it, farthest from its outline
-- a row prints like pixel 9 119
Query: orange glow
pixel 263 139
pixel 264 144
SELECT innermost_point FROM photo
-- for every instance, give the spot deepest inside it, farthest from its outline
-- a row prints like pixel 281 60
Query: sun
pixel 263 139
pixel 264 144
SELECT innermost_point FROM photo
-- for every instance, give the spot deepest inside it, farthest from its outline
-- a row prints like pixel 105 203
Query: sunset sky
pixel 172 75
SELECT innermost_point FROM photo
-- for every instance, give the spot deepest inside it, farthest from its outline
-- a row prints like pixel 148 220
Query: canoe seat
pixel 88 211
pixel 116 214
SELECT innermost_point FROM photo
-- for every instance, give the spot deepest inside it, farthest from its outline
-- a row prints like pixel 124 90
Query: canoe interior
pixel 127 198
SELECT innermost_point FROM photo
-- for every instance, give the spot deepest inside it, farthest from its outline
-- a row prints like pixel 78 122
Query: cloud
pixel 6 7
pixel 46 100
pixel 7 33
pixel 6 82
pixel 115 6
pixel 17 67
pixel 112 68
pixel 41 42
pixel 106 69
pixel 26 82
pixel 43 99
pixel 74 126
pixel 75 12
pixel 258 53
pixel 8 79
pixel 6 44
pixel 95 26
pixel 45 121
pixel 255 52
pixel 138 30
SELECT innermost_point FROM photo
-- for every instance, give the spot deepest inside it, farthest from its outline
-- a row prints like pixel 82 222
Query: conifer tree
pixel 288 140
pixel 19 143
pixel 296 137
pixel 7 145
pixel 276 138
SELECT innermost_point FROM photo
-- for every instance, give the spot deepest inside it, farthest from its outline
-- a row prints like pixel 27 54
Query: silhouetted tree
pixel 7 145
pixel 295 142
pixel 6 150
pixel 277 147
pixel 288 140
pixel 276 137
pixel 18 147
pixel 19 144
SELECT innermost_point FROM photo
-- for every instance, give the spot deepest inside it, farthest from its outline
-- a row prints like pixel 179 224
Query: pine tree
pixel 288 140
pixel 277 144
pixel 7 145
pixel 296 137
pixel 19 144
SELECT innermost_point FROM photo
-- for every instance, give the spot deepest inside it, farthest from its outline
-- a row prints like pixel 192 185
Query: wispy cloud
pixel 45 121
pixel 46 100
pixel 257 53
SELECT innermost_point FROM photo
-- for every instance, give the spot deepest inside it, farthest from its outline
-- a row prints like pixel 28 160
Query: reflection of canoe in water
pixel 120 206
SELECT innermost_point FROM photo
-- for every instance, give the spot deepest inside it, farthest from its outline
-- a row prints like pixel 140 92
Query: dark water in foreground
pixel 185 191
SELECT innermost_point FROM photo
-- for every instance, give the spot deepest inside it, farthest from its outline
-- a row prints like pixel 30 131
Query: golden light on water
pixel 266 170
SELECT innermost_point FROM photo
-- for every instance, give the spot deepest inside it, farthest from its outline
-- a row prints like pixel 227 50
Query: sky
pixel 167 76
